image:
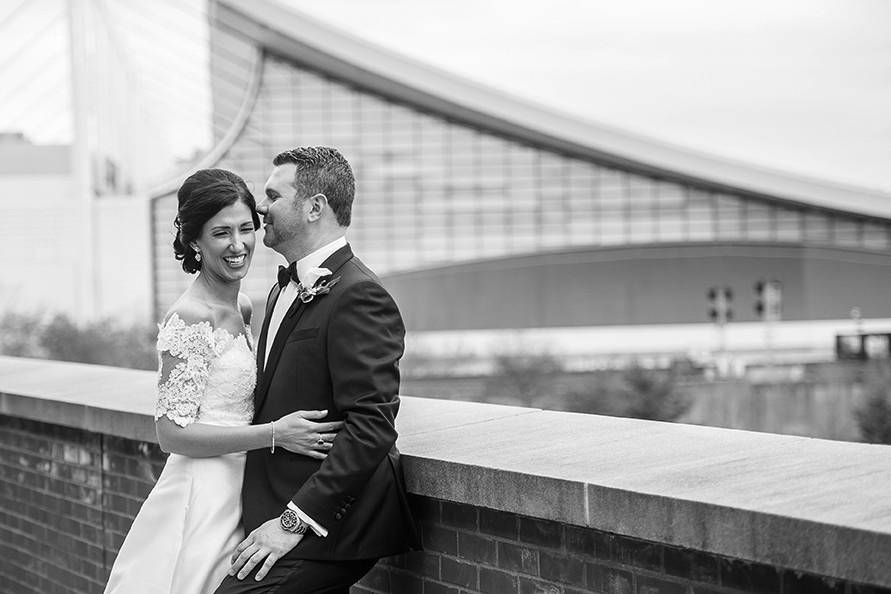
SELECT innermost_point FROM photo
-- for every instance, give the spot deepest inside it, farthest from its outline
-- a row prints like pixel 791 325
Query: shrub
pixel 874 415
pixel 103 342
pixel 635 391
pixel 20 336
pixel 520 379
pixel 652 394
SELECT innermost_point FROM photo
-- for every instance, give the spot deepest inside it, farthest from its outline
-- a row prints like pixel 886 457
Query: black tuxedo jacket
pixel 338 352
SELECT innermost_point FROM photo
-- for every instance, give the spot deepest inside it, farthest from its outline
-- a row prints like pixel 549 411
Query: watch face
pixel 289 520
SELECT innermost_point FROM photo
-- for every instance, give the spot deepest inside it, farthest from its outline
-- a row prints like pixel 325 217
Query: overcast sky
pixel 802 86
pixel 798 85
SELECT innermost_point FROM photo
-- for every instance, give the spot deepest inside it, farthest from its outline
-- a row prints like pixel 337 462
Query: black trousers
pixel 301 576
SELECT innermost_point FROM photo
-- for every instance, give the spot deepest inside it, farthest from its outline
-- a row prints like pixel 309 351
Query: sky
pixel 803 86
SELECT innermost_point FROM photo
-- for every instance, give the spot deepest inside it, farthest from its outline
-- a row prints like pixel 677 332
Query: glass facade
pixel 433 191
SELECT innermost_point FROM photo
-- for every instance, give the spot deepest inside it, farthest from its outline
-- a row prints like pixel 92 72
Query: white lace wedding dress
pixel 181 540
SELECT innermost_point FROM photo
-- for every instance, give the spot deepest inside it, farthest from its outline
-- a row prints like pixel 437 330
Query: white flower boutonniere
pixel 313 275
pixel 316 285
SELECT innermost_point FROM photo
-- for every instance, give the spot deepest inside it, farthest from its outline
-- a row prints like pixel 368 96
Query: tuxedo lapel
pixel 333 263
pixel 264 330
pixel 278 344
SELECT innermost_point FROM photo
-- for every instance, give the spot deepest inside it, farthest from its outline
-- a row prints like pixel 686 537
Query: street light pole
pixel 857 316
pixel 769 307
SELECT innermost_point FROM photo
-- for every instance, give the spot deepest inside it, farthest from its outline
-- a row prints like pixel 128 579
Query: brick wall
pixel 68 496
pixel 470 549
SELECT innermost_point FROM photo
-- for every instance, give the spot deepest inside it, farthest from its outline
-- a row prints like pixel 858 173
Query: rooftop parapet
pixel 803 504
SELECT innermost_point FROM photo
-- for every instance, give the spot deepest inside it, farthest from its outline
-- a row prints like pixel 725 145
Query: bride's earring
pixel 197 255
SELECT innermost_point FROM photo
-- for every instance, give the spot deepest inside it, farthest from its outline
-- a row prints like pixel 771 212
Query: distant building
pixel 91 89
pixel 53 266
pixel 486 213
pixel 493 220
pixel 36 208
pixel 44 218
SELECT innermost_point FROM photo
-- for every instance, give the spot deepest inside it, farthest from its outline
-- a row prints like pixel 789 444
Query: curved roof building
pixel 486 211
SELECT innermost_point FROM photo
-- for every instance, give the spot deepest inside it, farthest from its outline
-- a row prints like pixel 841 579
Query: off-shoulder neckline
pixel 205 324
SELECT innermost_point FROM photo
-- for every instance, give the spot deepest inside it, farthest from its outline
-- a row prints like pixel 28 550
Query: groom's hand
pixel 268 542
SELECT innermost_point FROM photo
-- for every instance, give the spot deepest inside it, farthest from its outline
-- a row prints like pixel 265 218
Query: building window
pixel 730 217
pixel 789 225
pixel 701 221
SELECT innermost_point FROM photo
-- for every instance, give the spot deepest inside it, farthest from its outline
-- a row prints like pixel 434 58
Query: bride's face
pixel 227 243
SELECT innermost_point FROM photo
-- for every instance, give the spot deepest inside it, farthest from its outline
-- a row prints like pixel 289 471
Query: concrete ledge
pixel 804 504
pixel 101 399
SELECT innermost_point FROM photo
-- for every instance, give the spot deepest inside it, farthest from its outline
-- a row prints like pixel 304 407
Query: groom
pixel 331 340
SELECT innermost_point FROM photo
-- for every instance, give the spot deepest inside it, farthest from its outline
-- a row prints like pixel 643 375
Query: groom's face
pixel 284 220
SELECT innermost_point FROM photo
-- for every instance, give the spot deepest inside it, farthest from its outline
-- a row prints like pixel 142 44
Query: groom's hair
pixel 323 170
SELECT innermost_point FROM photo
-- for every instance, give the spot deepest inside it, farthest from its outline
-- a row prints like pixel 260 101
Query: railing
pixel 508 499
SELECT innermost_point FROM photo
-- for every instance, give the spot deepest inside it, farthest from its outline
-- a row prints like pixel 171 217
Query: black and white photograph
pixel 466 297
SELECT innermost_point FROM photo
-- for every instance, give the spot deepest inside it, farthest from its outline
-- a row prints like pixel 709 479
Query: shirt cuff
pixel 312 523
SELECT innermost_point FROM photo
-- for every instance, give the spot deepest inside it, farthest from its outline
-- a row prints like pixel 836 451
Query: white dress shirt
pixel 289 292
pixel 282 305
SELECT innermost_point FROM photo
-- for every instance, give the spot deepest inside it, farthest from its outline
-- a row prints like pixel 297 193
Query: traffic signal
pixel 759 299
pixel 720 304
pixel 769 300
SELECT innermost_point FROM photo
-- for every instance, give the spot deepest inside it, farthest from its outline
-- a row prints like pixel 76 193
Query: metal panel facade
pixel 434 191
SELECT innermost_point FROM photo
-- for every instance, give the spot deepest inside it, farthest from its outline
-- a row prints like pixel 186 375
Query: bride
pixel 182 538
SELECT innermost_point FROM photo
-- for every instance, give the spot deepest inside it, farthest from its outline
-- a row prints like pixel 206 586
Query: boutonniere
pixel 317 286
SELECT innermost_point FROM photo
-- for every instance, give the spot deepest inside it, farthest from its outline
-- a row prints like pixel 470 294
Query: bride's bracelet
pixel 272 448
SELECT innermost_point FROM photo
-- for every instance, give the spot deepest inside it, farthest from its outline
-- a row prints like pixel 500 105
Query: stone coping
pixel 805 504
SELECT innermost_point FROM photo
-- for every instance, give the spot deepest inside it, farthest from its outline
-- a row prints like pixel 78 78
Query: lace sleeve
pixel 184 353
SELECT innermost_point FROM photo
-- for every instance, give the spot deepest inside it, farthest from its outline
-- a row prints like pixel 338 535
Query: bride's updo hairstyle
pixel 205 193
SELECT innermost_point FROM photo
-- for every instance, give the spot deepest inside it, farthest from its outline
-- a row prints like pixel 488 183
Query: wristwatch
pixel 291 522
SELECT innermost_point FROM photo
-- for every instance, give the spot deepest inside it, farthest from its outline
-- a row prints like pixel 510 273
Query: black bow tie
pixel 287 274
